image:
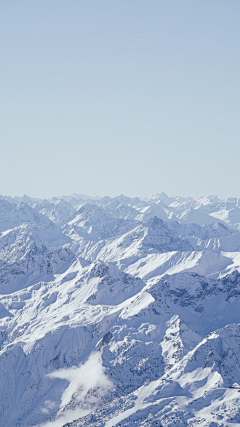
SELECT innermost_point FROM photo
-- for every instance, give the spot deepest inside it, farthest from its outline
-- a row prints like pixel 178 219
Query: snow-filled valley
pixel 119 311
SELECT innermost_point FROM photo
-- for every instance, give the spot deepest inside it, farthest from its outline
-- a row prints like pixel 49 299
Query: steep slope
pixel 48 235
pixel 196 391
pixel 157 209
pixel 207 263
pixel 122 211
pixel 229 216
pixel 26 253
pixel 153 236
pixel 31 265
pixel 13 215
pixel 184 379
pixel 94 223
pixel 95 307
pixel 195 216
pixel 46 317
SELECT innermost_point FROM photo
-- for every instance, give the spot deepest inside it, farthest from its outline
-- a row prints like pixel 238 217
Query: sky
pixel 120 96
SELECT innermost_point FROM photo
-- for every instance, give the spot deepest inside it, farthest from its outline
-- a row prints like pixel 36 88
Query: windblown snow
pixel 119 311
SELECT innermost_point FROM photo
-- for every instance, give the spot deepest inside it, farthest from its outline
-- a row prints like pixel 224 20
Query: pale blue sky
pixel 120 96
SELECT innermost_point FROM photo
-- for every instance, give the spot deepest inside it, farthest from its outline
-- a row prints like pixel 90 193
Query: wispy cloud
pixel 88 383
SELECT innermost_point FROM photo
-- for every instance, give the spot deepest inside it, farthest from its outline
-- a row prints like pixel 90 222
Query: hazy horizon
pixel 96 196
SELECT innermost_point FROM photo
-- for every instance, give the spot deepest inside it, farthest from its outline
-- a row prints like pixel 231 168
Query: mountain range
pixel 119 311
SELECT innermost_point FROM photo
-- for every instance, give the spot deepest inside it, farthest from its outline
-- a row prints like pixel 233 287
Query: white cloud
pixel 88 383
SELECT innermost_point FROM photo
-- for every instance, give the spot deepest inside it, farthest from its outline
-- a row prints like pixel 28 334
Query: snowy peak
pixel 111 286
pixel 56 210
pixel 23 268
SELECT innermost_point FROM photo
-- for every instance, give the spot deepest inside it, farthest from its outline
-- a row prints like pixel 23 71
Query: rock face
pixel 119 312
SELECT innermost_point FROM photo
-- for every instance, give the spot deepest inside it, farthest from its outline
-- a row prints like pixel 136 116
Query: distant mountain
pixel 78 197
pixel 56 210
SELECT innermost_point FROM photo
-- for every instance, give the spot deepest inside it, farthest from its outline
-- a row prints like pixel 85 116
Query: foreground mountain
pixel 119 311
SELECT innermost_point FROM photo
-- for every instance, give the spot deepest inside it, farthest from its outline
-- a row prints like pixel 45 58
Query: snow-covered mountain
pixel 119 311
pixel 56 210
